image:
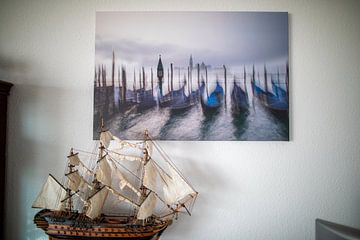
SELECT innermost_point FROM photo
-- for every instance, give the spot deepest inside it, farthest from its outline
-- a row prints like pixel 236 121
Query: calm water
pixel 193 124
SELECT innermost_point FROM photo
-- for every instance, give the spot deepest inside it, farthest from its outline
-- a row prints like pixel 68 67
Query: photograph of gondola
pixel 217 76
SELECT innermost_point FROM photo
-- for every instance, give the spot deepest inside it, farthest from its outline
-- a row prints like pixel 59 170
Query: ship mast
pixel 68 199
pixel 68 190
pixel 96 183
pixel 146 158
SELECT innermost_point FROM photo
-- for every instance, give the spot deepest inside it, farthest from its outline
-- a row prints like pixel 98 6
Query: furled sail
pixel 121 144
pixel 105 138
pixel 175 188
pixel 51 195
pixel 103 172
pixel 150 176
pixel 74 159
pixel 76 182
pixel 96 203
pixel 147 207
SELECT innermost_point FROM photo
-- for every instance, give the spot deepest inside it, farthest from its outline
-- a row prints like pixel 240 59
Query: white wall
pixel 248 190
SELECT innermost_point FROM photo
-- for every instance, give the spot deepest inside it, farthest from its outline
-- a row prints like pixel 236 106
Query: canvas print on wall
pixel 192 75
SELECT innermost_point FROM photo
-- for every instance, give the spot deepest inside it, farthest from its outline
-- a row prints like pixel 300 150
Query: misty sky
pixel 216 38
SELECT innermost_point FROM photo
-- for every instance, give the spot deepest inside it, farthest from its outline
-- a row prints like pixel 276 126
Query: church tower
pixel 160 74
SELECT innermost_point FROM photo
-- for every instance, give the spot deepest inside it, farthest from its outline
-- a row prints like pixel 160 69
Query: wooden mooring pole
pixel 152 83
pixel 225 80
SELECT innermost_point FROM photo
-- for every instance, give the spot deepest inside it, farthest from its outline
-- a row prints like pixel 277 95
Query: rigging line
pixel 167 205
pixel 160 174
pixel 123 155
pixel 94 157
pixel 167 159
pixel 63 179
pixel 87 169
pixel 193 202
pixel 164 210
pixel 82 179
pixel 70 196
pixel 113 191
pixel 64 173
pixel 122 178
pixel 187 210
pixel 168 214
pixel 81 199
pixel 164 158
pixel 86 172
pixel 162 152
pixel 139 172
pixel 84 166
pixel 133 196
pixel 160 212
pixel 158 166
pixel 82 151
pixel 115 161
pixel 180 206
pixel 61 185
pixel 191 199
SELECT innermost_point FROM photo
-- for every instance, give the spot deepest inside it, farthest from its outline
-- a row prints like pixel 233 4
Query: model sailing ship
pixel 157 194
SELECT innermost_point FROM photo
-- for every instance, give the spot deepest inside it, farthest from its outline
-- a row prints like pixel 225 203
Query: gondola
pixel 277 102
pixel 213 101
pixel 144 99
pixel 239 100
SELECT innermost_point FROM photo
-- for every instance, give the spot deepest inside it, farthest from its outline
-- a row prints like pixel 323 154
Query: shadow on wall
pixel 36 147
pixel 203 177
pixel 13 71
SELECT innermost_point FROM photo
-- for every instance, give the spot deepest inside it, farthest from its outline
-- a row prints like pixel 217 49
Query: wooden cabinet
pixel 4 92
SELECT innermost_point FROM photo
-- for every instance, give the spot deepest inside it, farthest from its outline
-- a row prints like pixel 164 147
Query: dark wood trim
pixel 4 92
pixel 5 88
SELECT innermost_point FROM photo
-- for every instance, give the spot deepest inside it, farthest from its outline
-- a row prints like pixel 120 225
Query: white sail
pixel 96 203
pixel 121 197
pixel 175 188
pixel 76 182
pixel 74 159
pixel 124 182
pixel 105 138
pixel 51 195
pixel 147 207
pixel 150 176
pixel 103 172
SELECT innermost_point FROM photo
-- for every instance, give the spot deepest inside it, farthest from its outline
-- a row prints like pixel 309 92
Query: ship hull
pixel 98 238
pixel 59 226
